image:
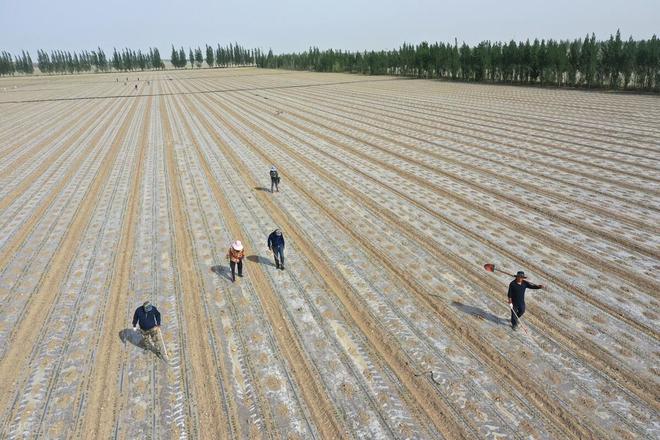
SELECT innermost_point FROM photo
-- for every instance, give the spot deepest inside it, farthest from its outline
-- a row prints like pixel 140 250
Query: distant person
pixel 274 179
pixel 148 317
pixel 516 296
pixel 135 87
pixel 276 244
pixel 235 256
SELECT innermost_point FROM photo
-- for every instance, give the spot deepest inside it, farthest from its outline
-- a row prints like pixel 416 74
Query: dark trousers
pixel 273 183
pixel 233 269
pixel 278 253
pixel 519 308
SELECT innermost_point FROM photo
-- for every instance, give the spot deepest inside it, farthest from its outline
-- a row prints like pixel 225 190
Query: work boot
pixel 281 267
pixel 514 326
pixel 277 264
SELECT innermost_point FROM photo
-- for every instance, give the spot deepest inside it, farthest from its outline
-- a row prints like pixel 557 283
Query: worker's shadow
pixel 261 188
pixel 223 271
pixel 136 338
pixel 260 260
pixel 479 313
pixel 132 336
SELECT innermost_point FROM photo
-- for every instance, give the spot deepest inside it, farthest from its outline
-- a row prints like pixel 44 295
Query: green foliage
pixel 209 56
pixel 583 62
pixel 183 61
pixel 7 66
pixel 199 58
pixel 174 57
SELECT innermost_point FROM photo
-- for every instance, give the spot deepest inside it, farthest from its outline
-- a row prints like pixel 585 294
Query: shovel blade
pixel 489 267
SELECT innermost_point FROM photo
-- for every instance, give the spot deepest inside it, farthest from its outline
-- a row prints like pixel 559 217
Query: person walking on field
pixel 276 244
pixel 274 179
pixel 516 296
pixel 148 317
pixel 235 256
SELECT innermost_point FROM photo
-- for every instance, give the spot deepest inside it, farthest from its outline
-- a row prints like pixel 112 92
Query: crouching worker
pixel 276 244
pixel 235 256
pixel 148 317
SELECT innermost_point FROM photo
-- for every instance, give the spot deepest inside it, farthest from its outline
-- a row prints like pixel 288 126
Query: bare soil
pixel 384 324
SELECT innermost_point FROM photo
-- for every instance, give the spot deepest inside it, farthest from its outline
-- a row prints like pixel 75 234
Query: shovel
pixel 491 268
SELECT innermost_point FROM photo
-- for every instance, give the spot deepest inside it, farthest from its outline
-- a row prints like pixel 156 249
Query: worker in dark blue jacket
pixel 276 244
pixel 148 317
pixel 516 296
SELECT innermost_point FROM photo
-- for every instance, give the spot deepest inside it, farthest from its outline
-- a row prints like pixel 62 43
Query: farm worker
pixel 516 296
pixel 148 317
pixel 235 256
pixel 274 179
pixel 276 244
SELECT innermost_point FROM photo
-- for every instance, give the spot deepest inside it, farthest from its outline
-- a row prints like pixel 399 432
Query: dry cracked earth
pixel 384 324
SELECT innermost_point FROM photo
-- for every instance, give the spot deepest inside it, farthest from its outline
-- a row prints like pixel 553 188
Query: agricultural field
pixel 384 324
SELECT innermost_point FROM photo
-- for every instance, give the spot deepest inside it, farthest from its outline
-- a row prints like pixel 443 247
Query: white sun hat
pixel 237 245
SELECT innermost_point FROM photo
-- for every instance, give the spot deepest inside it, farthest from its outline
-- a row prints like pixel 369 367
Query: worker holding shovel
pixel 516 296
pixel 148 318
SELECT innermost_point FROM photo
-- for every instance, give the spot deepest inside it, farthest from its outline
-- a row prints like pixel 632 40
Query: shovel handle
pixel 162 342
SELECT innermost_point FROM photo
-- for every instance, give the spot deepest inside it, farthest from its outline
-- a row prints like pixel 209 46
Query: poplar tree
pixel 199 58
pixel 209 56
pixel 182 58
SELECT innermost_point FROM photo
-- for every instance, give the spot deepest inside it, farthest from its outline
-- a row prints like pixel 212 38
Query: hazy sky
pixel 294 25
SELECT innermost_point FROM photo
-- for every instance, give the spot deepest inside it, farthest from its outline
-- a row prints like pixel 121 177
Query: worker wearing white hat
pixel 235 256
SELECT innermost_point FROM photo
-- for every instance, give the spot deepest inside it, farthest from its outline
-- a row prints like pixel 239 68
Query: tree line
pixel 583 62
pixel 230 55
pixel 11 64
pixel 59 61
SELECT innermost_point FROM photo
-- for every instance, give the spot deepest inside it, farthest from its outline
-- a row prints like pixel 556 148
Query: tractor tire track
pixel 50 410
pixel 549 163
pixel 520 122
pixel 386 345
pixel 307 379
pixel 46 163
pixel 211 417
pixel 18 237
pixel 578 254
pixel 614 365
pixel 49 289
pixel 580 225
pixel 539 393
pixel 102 404
pixel 265 422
